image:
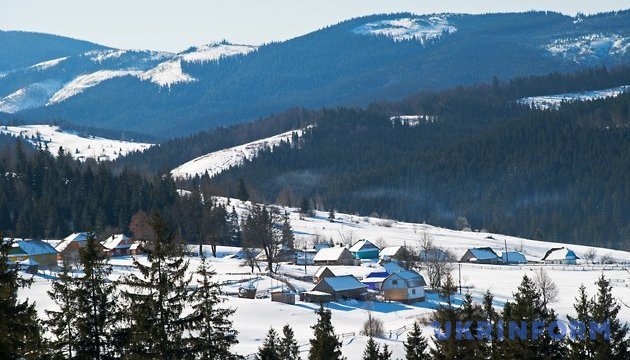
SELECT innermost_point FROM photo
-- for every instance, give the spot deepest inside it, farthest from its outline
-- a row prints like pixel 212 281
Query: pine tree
pixel 416 346
pixel 606 311
pixel 288 345
pixel 288 239
pixel 234 228
pixel 20 331
pixel 96 304
pixel 305 206
pixel 325 345
pixel 62 323
pixel 331 215
pixel 242 195
pixel 581 348
pixel 157 297
pixel 210 323
pixel 385 354
pixel 371 351
pixel 270 350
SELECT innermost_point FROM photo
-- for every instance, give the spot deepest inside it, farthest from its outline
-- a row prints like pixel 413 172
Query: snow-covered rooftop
pixel 114 241
pixel 343 283
pixel 362 245
pixel 329 254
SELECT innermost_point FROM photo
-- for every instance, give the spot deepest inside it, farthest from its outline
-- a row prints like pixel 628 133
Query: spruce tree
pixel 371 351
pixel 288 345
pixel 20 330
pixel 606 311
pixel 242 195
pixel 416 346
pixel 385 354
pixel 62 323
pixel 210 323
pixel 581 347
pixel 157 295
pixel 96 303
pixel 331 215
pixel 325 345
pixel 270 350
pixel 288 239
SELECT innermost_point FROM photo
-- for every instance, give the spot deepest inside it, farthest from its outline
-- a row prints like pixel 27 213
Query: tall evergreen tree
pixel 62 323
pixel 606 311
pixel 270 350
pixel 96 303
pixel 288 345
pixel 288 239
pixel 385 354
pixel 581 347
pixel 371 351
pixel 325 345
pixel 213 334
pixel 242 194
pixel 157 296
pixel 416 346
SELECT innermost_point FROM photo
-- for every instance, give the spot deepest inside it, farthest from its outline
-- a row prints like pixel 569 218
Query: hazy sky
pixel 176 25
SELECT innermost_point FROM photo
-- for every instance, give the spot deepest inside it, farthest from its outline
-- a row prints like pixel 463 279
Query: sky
pixel 177 25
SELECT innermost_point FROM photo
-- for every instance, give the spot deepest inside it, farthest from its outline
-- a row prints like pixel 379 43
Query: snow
pixel 114 241
pixel 79 147
pixel 216 162
pixel 80 83
pixel 329 254
pixel 167 74
pixel 342 283
pixel 33 95
pixel 362 245
pixel 591 46
pixel 216 51
pixel 560 254
pixel 253 317
pixel 403 29
pixel 390 251
pixel 553 102
pixel 483 254
pixel 413 120
pixel 48 64
pixel 101 55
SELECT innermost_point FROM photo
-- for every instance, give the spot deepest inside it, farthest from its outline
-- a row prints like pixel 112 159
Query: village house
pixel 333 256
pixel 560 255
pixel 321 273
pixel 394 252
pixel 404 286
pixel 33 254
pixel 68 248
pixel 120 245
pixel 364 249
pixel 513 257
pixel 484 255
pixel 342 287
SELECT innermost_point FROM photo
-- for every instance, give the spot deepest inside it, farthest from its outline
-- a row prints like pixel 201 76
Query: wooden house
pixel 33 253
pixel 342 287
pixel 68 248
pixel 333 256
pixel 120 245
pixel 394 252
pixel 322 273
pixel 484 255
pixel 364 249
pixel 560 255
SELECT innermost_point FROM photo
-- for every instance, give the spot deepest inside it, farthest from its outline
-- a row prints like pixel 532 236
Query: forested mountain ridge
pixel 352 63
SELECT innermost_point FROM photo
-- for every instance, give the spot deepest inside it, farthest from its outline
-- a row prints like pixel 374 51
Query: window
pixel 413 291
pixel 394 282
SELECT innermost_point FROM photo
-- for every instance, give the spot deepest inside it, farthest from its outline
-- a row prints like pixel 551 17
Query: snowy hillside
pixel 78 146
pixel 33 95
pixel 218 161
pixel 554 101
pixel 589 47
pixel 80 83
pixel 254 316
pixel 421 28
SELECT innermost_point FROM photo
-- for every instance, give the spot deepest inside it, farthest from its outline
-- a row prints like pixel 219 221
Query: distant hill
pixel 373 58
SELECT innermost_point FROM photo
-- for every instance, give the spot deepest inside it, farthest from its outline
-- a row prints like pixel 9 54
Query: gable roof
pixel 34 247
pixel 363 245
pixel 561 253
pixel 484 253
pixel 513 256
pixel 391 251
pixel 321 271
pixel 329 254
pixel 78 237
pixel 344 283
pixel 113 242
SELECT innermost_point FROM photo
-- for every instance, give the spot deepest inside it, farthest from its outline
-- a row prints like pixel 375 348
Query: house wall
pixel 367 254
pixel 44 260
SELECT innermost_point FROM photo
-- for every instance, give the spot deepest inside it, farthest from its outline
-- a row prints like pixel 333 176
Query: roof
pixel 343 283
pixel 321 270
pixel 113 242
pixel 35 247
pixel 513 256
pixel 28 262
pixel 561 253
pixel 483 253
pixel 329 254
pixel 390 250
pixel 374 279
pixel 363 245
pixel 391 267
pixel 317 293
pixel 82 236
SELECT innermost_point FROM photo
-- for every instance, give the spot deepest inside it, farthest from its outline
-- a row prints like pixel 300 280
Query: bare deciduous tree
pixel 347 237
pixel 590 256
pixel 436 262
pixel 373 327
pixel 548 288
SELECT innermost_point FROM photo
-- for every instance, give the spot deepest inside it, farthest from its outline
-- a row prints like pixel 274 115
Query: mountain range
pixel 353 63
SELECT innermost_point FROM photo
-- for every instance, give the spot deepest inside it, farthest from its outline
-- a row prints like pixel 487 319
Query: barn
pixel 342 287
pixel 484 255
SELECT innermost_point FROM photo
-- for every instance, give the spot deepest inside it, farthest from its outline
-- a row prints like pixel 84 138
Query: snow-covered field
pixel 554 101
pixel 254 317
pixel 218 161
pixel 79 147
pixel 420 29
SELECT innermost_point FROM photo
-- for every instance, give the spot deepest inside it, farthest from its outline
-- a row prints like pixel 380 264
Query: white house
pixel 560 255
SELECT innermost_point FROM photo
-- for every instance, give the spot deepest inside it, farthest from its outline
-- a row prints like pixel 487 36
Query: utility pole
pixel 304 257
pixel 460 278
pixel 507 255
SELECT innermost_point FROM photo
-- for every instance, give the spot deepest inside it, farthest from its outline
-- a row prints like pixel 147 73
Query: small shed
pixel 322 273
pixel 333 256
pixel 394 252
pixel 484 255
pixel 342 287
pixel 374 280
pixel 513 257
pixel 560 255
pixel 283 296
pixel 364 249
pixel 317 297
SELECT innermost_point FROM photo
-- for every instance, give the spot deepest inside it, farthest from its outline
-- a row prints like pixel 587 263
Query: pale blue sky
pixel 175 25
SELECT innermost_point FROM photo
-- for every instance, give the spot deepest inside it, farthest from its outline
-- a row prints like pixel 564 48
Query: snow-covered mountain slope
pixel 218 161
pixel 79 146
pixel 554 101
pixel 589 47
pixel 80 83
pixel 167 74
pixel 419 28
pixel 33 95
pixel 47 64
